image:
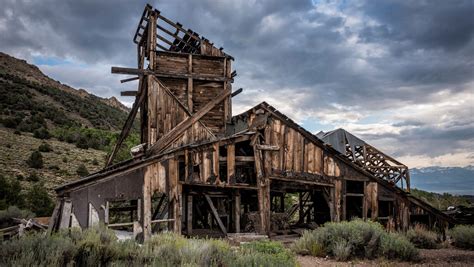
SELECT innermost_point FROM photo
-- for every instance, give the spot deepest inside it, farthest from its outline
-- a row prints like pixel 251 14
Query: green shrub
pixel 10 193
pixel 33 177
pixel 422 238
pixel 342 250
pixel 95 162
pixel 397 246
pixel 345 240
pixel 82 170
pixel 38 200
pixel 263 253
pixel 45 147
pixel 463 236
pixel 65 159
pixel 7 215
pixel 41 133
pixel 98 246
pixel 35 160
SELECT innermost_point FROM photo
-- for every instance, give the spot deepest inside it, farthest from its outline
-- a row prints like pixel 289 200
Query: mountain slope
pixel 81 128
pixel 454 180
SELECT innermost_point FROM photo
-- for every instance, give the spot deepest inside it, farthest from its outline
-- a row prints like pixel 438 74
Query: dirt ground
pixel 428 257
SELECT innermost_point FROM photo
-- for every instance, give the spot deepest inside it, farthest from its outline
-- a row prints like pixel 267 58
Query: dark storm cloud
pixel 357 57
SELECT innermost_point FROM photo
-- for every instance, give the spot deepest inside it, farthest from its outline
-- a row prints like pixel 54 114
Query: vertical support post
pixel 175 195
pixel 190 84
pixel 300 207
pixel 215 162
pixel 189 214
pixel 263 188
pixel 145 205
pixel 236 215
pixel 337 200
pixel 231 163
pixel 374 201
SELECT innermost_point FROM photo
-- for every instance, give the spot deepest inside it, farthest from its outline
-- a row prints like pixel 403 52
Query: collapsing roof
pixel 368 157
pixel 199 168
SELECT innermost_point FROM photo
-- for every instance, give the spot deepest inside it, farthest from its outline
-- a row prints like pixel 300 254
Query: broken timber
pixel 201 169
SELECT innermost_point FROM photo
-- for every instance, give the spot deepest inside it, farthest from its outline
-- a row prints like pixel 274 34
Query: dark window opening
pixel 123 211
pixel 385 208
pixel 181 168
pixel 353 207
pixel 354 187
pixel 223 172
pixel 243 149
pixel 245 173
pixel 322 211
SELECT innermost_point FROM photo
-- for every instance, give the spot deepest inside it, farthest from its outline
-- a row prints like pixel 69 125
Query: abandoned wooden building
pixel 202 171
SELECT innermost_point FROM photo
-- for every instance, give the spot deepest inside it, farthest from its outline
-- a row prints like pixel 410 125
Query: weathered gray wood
pixel 181 127
pixel 216 215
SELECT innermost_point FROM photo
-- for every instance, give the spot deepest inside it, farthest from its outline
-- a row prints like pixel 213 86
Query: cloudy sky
pixel 399 74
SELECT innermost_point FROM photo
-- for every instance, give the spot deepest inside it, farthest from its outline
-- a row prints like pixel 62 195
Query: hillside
pixel 453 180
pixel 79 127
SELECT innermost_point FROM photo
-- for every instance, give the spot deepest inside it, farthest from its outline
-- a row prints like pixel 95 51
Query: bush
pixel 345 240
pixel 396 246
pixel 7 215
pixel 33 177
pixel 95 162
pixel 35 160
pixel 38 200
pixel 422 238
pixel 41 133
pixel 99 247
pixel 65 159
pixel 342 250
pixel 10 193
pixel 463 236
pixel 45 147
pixel 82 170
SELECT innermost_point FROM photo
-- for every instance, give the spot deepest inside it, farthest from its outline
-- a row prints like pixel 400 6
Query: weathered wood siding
pixel 195 80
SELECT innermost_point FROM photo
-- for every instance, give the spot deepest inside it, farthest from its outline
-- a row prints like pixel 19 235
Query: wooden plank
pixel 189 215
pixel 268 147
pixel 263 192
pixel 128 123
pixel 128 93
pixel 231 163
pixel 65 215
pixel 236 215
pixel 145 218
pixel 54 217
pixel 160 74
pixel 337 200
pixel 129 79
pixel 182 126
pixel 216 215
pixel 215 161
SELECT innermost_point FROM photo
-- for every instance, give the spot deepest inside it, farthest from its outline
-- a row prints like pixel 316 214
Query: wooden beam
pixel 189 215
pixel 236 209
pixel 128 124
pixel 129 79
pixel 231 163
pixel 128 93
pixel 194 76
pixel 184 125
pixel 268 147
pixel 216 215
pixel 65 215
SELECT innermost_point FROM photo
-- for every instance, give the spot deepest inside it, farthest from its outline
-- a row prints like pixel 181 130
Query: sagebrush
pixel 354 239
pixel 100 247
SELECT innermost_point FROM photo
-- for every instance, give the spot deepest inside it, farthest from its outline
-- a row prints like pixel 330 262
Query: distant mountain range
pixel 453 180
